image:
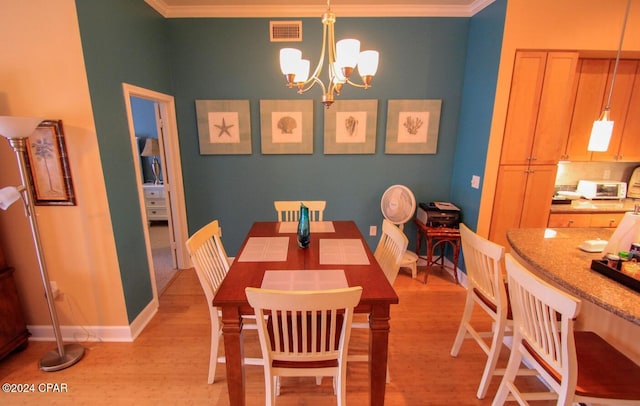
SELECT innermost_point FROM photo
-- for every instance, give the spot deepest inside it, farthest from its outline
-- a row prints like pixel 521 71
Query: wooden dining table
pixel 377 293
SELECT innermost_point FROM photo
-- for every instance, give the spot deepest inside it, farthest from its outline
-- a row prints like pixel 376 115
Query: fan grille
pixel 398 204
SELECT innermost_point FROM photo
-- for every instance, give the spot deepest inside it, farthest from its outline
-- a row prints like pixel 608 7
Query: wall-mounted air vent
pixel 285 31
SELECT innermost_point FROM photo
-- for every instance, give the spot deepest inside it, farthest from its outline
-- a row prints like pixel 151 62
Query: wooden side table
pixel 438 237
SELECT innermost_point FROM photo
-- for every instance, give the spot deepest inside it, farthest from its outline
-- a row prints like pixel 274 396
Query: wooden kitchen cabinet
pixel 522 199
pixel 592 82
pixel 567 220
pixel 629 150
pixel 538 115
pixel 620 99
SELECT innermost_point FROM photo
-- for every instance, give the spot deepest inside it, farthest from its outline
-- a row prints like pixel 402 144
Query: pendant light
pixel 603 127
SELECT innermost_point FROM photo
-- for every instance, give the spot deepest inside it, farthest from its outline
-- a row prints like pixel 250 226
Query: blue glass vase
pixel 304 233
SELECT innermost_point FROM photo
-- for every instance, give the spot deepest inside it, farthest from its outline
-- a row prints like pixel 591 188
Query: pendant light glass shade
pixel 289 60
pixel 601 133
pixel 368 63
pixel 347 52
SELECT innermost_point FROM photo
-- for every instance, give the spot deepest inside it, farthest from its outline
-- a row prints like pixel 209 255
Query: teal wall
pixel 421 58
pixel 207 58
pixel 480 79
pixel 123 41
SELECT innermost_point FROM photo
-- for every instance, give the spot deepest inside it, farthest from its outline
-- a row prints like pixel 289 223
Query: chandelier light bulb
pixel 347 52
pixel 302 71
pixel 368 63
pixel 289 60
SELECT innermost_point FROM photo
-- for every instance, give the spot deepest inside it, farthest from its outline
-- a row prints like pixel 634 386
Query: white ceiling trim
pixel 269 11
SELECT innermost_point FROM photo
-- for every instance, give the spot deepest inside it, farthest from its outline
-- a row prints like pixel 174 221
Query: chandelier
pixel 343 57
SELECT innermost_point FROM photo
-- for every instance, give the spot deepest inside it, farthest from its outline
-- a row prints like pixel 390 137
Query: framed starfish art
pixel 224 127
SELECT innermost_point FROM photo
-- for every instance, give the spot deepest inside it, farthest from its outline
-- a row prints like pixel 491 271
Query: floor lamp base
pixel 53 362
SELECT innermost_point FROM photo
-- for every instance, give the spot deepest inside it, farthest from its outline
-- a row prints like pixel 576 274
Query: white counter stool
pixel 579 366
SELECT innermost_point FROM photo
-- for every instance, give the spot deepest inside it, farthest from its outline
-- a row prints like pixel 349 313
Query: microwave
pixel 602 189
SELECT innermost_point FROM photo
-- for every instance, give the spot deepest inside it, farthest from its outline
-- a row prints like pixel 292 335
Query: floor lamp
pixel 17 131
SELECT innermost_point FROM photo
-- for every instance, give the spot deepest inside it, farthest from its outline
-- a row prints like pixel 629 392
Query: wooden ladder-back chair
pixel 484 261
pixel 304 333
pixel 212 264
pixel 389 253
pixel 290 210
pixel 578 366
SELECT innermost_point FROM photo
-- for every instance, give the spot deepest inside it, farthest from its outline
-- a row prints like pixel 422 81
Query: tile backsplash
pixel 569 173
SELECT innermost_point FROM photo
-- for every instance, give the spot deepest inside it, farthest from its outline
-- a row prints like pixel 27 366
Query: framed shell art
pixel 412 126
pixel 286 126
pixel 224 127
pixel 49 166
pixel 350 127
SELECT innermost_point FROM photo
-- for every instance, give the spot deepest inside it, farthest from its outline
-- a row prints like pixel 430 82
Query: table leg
pixel 456 254
pixel 429 241
pixel 378 351
pixel 234 354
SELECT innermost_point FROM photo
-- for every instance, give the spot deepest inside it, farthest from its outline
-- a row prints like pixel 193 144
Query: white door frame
pixel 172 173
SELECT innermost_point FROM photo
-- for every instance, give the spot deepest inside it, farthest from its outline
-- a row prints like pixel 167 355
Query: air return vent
pixel 285 31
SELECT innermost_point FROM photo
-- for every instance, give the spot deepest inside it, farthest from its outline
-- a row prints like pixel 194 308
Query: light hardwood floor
pixel 168 362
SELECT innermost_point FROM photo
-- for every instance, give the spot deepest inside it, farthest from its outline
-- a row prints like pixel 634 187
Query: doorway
pixel 154 140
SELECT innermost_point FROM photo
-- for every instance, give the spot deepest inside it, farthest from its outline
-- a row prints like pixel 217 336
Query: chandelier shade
pixel 343 58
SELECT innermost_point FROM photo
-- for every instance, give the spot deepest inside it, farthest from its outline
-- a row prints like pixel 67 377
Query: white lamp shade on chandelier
pixel 343 57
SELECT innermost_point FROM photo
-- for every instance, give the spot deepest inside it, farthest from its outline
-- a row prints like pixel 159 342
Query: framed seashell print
pixel 224 127
pixel 350 127
pixel 286 126
pixel 412 126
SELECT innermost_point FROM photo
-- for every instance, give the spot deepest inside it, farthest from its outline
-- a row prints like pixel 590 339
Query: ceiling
pixel 315 8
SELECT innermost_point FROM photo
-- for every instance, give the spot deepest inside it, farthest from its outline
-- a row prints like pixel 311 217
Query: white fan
pixel 398 204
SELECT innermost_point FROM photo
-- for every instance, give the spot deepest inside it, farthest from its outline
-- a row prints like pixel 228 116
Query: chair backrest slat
pixel 484 262
pixel 543 317
pixel 303 325
pixel 390 250
pixel 289 210
pixel 209 258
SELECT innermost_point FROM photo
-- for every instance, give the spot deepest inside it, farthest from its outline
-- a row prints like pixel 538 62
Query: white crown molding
pixel 270 11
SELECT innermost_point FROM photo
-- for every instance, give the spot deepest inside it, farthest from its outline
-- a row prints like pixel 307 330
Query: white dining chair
pixel 289 210
pixel 304 333
pixel 212 264
pixel 389 253
pixel 577 366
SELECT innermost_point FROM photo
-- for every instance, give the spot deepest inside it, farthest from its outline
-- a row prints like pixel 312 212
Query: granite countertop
pixel 560 260
pixel 595 206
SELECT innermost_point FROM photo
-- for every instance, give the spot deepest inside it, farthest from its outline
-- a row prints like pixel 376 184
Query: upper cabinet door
pixel 620 98
pixel 538 115
pixel 554 113
pixel 524 99
pixel 592 82
pixel 630 145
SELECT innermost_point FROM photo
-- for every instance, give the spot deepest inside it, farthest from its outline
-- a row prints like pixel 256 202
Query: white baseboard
pixel 97 333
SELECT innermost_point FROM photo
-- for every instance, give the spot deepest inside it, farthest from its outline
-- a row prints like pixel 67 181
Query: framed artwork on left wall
pixel 224 127
pixel 49 167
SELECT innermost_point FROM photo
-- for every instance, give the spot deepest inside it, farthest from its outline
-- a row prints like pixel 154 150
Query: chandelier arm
pixel 302 89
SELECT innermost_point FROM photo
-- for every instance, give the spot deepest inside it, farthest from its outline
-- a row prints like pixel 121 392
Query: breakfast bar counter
pixel 608 307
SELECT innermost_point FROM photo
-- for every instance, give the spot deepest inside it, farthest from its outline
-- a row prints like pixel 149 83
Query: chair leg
pixel 213 354
pixel 507 383
pixel 492 359
pixel 462 330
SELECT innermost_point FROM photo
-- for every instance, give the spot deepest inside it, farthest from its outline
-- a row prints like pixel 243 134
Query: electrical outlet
pixel 55 292
pixel 373 230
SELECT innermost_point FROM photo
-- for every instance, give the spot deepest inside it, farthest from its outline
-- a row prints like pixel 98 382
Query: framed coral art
pixel 224 127
pixel 350 127
pixel 49 167
pixel 412 126
pixel 286 126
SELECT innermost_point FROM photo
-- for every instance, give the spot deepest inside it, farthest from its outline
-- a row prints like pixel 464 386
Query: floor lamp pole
pixel 69 354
